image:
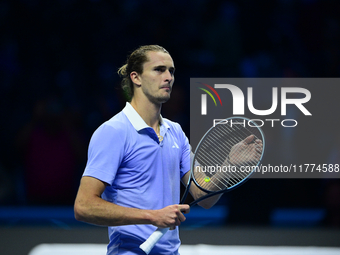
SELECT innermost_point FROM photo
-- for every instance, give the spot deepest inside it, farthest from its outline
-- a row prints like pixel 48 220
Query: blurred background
pixel 59 82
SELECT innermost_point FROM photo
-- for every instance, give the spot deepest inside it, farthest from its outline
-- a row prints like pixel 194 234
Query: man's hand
pixel 246 151
pixel 170 216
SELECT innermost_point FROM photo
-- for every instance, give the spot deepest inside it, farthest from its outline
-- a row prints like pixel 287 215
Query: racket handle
pixel 153 239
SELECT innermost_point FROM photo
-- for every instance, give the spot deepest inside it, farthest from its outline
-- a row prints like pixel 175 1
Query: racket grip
pixel 153 239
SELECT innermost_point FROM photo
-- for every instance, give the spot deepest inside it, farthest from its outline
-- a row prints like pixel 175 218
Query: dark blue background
pixel 58 63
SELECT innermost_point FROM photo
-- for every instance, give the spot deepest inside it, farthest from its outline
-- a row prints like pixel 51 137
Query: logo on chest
pixel 175 145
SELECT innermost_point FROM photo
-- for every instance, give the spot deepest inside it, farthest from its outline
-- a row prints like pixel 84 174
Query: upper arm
pixel 186 155
pixel 194 190
pixel 185 178
pixel 89 188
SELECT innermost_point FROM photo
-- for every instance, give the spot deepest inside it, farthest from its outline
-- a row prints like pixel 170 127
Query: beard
pixel 158 98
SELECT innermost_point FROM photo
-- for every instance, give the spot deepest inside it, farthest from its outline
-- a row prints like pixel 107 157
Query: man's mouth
pixel 166 87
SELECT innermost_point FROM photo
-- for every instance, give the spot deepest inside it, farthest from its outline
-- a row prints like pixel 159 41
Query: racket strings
pixel 221 155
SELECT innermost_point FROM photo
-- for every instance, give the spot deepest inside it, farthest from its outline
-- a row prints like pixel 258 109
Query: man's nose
pixel 169 76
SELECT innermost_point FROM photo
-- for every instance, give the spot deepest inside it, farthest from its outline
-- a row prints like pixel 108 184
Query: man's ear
pixel 135 78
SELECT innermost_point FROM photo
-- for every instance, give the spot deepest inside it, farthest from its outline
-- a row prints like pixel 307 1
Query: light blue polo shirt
pixel 141 172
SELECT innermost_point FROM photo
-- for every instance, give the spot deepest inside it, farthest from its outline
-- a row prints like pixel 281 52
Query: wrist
pixel 149 216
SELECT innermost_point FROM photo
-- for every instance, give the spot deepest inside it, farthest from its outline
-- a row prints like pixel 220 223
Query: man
pixel 136 161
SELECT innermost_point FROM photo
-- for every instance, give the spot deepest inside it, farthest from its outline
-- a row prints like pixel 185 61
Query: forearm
pixel 209 202
pixel 211 182
pixel 91 208
pixel 198 193
pixel 103 213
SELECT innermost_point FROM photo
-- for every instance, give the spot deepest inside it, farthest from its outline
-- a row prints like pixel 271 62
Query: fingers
pixel 249 139
pixel 249 150
pixel 180 217
pixel 254 144
pixel 184 208
pixel 258 145
pixel 171 216
pixel 259 148
pixel 255 149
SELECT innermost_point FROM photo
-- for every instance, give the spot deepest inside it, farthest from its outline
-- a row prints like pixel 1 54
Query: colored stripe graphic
pixel 213 90
pixel 209 95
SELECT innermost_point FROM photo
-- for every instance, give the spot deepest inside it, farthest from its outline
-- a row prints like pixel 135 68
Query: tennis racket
pixel 226 157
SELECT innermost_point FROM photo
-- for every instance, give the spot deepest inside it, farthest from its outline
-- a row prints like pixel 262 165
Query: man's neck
pixel 149 112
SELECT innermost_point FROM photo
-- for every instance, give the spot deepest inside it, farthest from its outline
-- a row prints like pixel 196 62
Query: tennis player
pixel 136 161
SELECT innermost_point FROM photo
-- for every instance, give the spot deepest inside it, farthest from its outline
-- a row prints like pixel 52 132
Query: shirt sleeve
pixel 105 153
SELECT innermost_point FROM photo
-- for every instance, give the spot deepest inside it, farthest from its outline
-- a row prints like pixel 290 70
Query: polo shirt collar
pixel 136 120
